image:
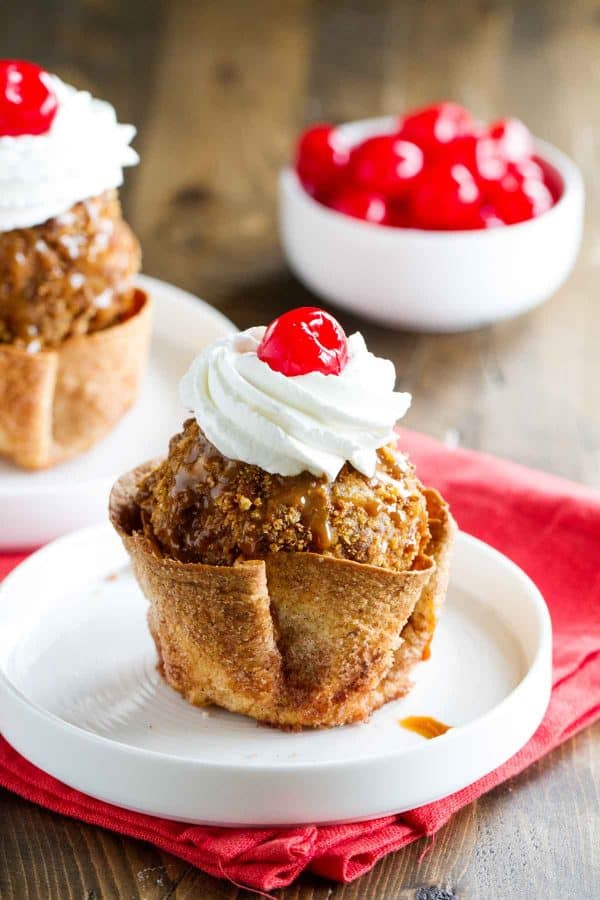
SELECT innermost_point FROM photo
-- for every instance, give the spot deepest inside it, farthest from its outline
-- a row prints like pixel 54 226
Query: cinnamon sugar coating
pixel 69 276
pixel 199 506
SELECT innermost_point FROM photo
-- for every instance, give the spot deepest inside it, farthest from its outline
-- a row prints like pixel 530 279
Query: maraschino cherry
pixel 320 159
pixel 303 340
pixel 448 200
pixel 387 164
pixel 512 139
pixel 435 126
pixel 517 200
pixel 361 204
pixel 27 102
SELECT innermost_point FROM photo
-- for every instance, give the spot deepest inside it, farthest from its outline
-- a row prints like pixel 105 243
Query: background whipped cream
pixel 82 155
pixel 286 425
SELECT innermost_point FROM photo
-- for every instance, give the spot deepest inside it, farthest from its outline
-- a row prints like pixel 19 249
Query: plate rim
pixel 193 301
pixel 539 662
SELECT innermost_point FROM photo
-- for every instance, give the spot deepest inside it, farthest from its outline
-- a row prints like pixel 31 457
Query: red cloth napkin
pixel 551 528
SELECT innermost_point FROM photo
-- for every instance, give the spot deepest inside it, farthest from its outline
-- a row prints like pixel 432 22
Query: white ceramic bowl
pixel 431 280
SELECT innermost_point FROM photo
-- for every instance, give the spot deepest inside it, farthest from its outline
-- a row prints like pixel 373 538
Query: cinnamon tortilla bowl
pixel 57 403
pixel 296 639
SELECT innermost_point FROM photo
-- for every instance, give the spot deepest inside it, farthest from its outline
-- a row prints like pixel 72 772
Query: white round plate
pixel 80 698
pixel 39 506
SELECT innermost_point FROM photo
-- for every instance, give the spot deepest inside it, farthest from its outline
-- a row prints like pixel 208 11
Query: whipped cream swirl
pixel 82 155
pixel 287 425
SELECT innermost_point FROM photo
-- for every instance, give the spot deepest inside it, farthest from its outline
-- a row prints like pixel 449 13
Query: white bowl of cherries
pixel 431 222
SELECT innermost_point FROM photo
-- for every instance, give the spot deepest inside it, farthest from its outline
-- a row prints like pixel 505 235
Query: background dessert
pixel 71 275
pixel 294 564
pixel 67 264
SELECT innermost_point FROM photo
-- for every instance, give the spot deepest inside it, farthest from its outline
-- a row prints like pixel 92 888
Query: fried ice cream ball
pixel 199 506
pixel 69 276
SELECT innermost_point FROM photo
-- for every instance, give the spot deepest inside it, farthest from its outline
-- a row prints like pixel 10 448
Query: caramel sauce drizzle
pixel 426 726
pixel 203 475
pixel 310 495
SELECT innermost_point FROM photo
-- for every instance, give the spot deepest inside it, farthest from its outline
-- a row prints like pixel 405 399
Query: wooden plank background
pixel 218 89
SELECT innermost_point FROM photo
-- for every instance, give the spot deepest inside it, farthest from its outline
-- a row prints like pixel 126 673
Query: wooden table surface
pixel 218 90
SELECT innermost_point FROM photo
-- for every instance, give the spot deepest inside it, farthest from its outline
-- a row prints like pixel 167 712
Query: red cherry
pixel 491 170
pixel 361 204
pixel 28 103
pixel 386 164
pixel 527 168
pixel 303 340
pixel 435 126
pixel 320 159
pixel 449 199
pixel 515 199
pixel 510 139
pixel 512 176
pixel 464 150
pixel 400 215
pixel 550 176
pixel 490 218
pixel 477 153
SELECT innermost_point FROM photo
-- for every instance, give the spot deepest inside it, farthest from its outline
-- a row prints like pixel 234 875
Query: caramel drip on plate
pixel 425 726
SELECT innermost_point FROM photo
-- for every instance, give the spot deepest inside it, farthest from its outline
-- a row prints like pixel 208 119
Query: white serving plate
pixel 80 698
pixel 36 507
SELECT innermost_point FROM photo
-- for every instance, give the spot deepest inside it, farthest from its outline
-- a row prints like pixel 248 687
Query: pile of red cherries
pixel 438 169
